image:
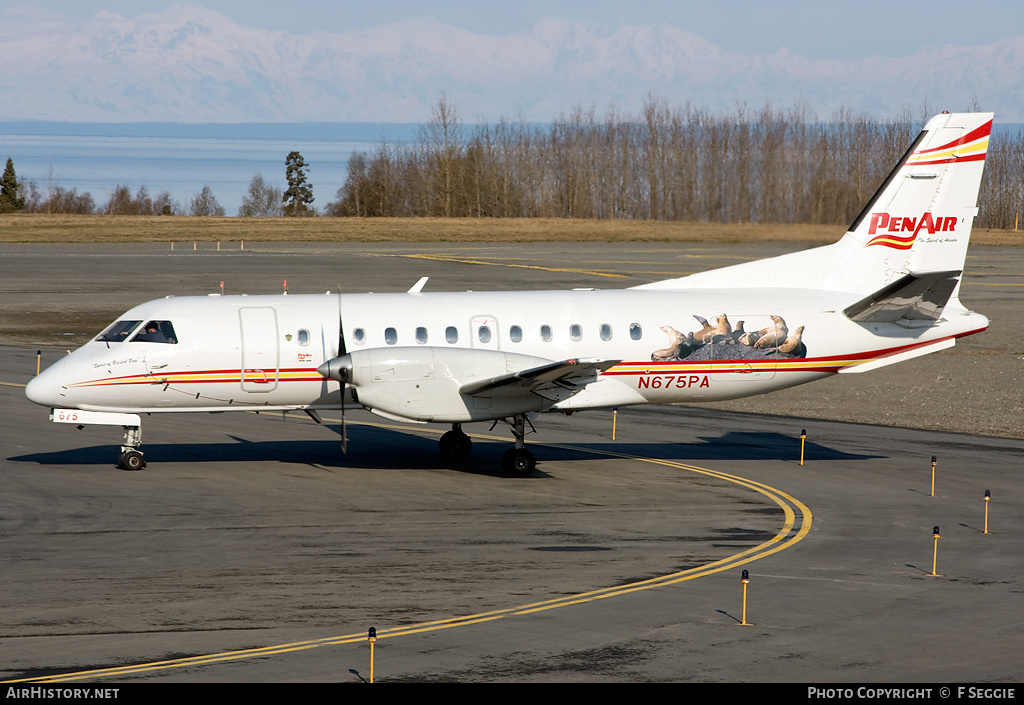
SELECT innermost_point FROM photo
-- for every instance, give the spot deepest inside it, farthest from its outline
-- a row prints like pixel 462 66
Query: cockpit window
pixel 118 332
pixel 156 332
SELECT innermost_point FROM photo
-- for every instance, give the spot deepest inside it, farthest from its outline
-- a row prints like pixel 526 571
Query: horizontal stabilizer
pixel 900 357
pixel 567 375
pixel 919 297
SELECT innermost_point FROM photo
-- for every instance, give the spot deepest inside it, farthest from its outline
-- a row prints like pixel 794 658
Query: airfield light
pixel 935 552
pixel 372 638
pixel 988 496
pixel 803 438
pixel 934 460
pixel 39 359
pixel 745 578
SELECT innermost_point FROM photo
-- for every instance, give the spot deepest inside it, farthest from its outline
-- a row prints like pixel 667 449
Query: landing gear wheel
pixel 132 460
pixel 455 445
pixel 518 462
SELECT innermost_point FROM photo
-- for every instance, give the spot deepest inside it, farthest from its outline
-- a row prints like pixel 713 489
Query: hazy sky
pixel 819 30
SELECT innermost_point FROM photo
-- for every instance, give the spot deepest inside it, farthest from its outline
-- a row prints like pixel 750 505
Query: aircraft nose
pixel 44 388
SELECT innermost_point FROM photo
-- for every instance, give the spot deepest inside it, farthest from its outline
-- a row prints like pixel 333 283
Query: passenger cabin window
pixel 118 332
pixel 606 331
pixel 515 334
pixel 359 335
pixel 390 336
pixel 545 333
pixel 635 331
pixel 156 332
pixel 421 335
pixel 484 333
pixel 576 332
pixel 303 337
pixel 451 334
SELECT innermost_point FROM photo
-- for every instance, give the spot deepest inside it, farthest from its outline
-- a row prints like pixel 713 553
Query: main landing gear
pixel 518 462
pixel 455 445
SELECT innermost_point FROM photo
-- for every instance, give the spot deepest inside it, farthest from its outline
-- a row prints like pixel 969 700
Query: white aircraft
pixel 886 292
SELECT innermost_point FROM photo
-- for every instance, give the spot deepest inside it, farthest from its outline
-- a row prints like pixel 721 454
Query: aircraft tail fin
pixel 926 207
pixel 919 220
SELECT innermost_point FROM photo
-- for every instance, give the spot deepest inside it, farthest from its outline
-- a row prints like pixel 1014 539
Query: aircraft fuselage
pixel 262 352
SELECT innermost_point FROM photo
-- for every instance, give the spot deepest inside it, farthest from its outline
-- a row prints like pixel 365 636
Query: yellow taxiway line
pixel 796 526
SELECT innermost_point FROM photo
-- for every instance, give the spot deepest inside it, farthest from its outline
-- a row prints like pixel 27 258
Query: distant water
pixel 182 159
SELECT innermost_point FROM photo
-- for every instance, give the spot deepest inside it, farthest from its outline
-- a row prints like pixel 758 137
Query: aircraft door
pixel 260 349
pixel 483 333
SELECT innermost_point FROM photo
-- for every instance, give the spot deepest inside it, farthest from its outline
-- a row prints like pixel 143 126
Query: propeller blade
pixel 342 350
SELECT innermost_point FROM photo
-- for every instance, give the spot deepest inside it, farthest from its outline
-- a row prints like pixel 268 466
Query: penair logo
pixel 889 226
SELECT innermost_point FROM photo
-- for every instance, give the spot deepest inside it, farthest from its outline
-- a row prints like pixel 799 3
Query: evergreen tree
pixel 299 196
pixel 10 201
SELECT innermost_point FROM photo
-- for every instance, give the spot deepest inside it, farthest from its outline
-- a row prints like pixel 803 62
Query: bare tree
pixel 205 203
pixel 262 200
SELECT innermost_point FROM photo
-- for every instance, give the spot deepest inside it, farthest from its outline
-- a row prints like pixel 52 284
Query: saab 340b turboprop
pixel 887 291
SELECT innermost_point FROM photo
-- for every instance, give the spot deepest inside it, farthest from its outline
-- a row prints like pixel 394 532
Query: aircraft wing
pixel 555 381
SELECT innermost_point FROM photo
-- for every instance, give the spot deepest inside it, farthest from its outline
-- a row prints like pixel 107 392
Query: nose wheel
pixel 132 460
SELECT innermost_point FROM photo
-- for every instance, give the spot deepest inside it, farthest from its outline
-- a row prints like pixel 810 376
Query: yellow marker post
pixel 935 552
pixel 372 638
pixel 988 496
pixel 615 415
pixel 933 475
pixel 746 579
pixel 803 439
pixel 39 360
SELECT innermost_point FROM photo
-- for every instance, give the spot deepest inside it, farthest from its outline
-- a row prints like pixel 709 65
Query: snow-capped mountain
pixel 189 64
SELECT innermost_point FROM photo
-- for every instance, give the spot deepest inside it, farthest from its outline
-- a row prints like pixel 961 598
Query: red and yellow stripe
pixel 230 376
pixel 968 148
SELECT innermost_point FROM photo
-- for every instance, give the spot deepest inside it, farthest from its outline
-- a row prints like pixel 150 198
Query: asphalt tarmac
pixel 252 550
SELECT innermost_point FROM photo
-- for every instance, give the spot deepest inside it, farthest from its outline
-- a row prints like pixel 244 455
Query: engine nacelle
pixel 422 383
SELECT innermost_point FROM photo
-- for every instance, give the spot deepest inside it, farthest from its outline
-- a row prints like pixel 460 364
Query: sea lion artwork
pixel 772 335
pixel 719 340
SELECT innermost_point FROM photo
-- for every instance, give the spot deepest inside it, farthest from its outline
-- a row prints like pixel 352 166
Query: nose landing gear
pixel 131 457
